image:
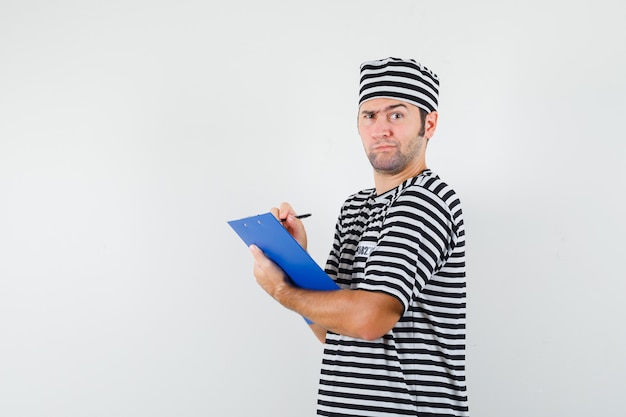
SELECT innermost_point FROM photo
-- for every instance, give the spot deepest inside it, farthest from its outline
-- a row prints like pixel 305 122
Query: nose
pixel 381 128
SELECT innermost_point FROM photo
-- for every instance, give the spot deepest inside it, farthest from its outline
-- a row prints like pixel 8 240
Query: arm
pixel 319 332
pixel 356 313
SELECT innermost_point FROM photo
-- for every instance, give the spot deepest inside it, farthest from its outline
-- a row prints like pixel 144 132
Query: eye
pixel 396 116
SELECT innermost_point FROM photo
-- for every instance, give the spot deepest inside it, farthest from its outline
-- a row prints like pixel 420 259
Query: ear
pixel 430 124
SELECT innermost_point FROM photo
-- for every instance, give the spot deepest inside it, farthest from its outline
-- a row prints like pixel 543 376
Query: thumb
pixel 255 251
pixel 259 256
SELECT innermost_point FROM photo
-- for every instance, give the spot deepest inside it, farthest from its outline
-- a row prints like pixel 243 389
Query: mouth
pixel 384 147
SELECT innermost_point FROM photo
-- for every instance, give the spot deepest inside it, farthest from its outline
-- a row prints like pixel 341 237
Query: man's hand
pixel 294 226
pixel 362 314
pixel 268 275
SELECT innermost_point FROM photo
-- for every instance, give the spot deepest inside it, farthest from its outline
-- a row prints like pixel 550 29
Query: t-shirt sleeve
pixel 414 242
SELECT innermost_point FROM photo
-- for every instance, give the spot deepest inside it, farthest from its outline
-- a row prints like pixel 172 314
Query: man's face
pixel 392 132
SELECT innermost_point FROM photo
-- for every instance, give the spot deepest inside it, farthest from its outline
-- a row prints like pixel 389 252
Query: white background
pixel 131 131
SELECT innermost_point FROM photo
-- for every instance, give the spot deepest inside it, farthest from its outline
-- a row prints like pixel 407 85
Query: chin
pixel 387 169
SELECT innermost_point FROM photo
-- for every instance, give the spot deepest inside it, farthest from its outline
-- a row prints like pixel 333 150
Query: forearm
pixel 319 332
pixel 355 313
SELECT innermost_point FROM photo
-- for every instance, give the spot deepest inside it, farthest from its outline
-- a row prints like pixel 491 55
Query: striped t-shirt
pixel 409 243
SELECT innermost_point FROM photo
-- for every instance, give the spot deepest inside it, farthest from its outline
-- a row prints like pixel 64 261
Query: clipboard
pixel 266 232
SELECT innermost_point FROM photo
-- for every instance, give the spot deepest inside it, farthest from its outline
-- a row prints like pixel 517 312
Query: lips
pixel 384 147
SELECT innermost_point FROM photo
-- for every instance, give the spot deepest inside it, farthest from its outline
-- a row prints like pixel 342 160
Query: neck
pixel 385 182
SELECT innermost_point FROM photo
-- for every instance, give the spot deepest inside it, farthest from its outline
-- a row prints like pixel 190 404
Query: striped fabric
pixel 401 79
pixel 409 243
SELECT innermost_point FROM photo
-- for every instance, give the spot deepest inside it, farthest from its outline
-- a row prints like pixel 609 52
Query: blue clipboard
pixel 266 232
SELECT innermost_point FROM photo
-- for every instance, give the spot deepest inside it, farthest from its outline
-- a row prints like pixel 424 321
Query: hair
pixel 423 114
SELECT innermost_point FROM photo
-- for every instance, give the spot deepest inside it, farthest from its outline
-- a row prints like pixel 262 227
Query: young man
pixel 394 333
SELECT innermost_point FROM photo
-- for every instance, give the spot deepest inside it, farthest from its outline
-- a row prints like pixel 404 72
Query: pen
pixel 301 216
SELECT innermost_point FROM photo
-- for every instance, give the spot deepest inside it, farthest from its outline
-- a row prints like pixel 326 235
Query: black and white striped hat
pixel 401 79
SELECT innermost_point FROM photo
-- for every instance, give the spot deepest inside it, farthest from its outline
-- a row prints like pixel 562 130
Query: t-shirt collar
pixel 390 196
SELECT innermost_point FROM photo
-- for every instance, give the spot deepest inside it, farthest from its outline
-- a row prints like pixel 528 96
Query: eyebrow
pixel 386 109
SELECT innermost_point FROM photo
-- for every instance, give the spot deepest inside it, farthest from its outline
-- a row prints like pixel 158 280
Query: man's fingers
pixel 285 210
pixel 257 253
pixel 260 260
